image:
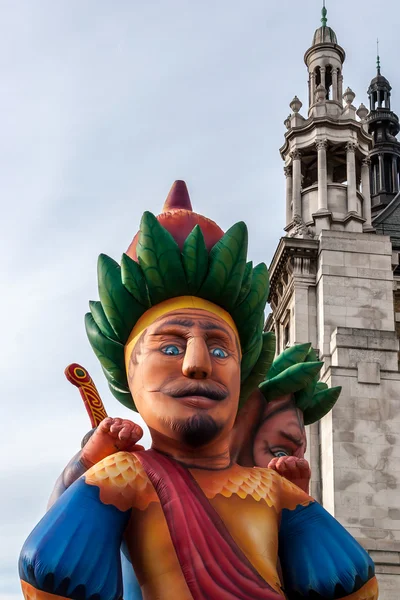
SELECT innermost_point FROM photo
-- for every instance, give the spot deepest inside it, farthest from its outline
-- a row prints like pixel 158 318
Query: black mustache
pixel 214 392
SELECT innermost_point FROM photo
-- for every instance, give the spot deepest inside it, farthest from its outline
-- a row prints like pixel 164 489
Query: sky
pixel 103 105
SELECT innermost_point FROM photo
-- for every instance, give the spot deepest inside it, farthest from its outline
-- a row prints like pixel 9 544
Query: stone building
pixel 334 283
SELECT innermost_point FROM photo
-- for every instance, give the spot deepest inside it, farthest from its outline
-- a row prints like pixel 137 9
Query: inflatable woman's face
pixel 281 432
pixel 184 375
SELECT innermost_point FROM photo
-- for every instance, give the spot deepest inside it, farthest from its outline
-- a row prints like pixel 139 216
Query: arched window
pixel 328 82
pixel 317 76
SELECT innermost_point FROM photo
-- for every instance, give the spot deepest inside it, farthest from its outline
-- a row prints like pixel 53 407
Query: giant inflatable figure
pixel 269 431
pixel 179 333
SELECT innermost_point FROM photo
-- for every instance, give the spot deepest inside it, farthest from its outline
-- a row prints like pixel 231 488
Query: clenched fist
pixel 112 435
pixel 296 470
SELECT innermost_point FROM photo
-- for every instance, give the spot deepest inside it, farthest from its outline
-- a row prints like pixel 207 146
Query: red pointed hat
pixel 179 219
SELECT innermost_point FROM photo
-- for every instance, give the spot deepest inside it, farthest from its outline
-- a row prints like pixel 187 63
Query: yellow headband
pixel 182 302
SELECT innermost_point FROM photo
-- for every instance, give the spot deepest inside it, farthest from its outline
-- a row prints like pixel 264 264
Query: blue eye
pixel 279 453
pixel 219 353
pixel 171 350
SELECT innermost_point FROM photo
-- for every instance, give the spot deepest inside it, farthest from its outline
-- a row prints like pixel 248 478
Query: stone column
pixel 366 190
pixel 351 177
pixel 381 172
pixel 371 102
pixel 296 184
pixel 312 88
pixel 395 174
pixel 375 174
pixel 323 71
pixel 340 88
pixel 289 194
pixel 335 83
pixel 322 175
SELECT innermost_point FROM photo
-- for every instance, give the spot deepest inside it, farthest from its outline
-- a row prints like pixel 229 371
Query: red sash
pixel 213 565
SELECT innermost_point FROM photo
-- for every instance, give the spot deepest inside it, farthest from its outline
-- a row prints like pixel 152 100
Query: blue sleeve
pixel 319 558
pixel 74 551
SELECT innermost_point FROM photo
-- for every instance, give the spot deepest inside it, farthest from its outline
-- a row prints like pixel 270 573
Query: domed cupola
pixel 324 60
pixel 326 153
pixel 379 89
pixel 324 34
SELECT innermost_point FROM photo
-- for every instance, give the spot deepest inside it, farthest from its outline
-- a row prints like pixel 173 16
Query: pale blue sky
pixel 103 105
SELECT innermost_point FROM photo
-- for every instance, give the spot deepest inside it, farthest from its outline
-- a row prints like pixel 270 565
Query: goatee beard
pixel 198 430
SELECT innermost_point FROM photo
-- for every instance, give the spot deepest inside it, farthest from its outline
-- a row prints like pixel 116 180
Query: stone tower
pixel 326 154
pixel 332 284
pixel 383 125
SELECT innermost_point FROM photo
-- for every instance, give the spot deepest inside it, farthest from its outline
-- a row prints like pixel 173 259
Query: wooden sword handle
pixel 79 377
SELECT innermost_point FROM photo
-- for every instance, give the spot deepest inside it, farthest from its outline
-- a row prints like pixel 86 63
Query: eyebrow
pixel 203 324
pixel 297 441
pixel 182 322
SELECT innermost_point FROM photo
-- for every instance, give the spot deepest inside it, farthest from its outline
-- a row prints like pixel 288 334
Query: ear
pixel 247 420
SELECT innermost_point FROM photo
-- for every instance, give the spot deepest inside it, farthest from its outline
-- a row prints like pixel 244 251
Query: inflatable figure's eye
pixel 219 353
pixel 171 350
pixel 279 453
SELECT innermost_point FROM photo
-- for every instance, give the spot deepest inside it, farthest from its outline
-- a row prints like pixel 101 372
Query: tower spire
pixel 378 60
pixel 324 12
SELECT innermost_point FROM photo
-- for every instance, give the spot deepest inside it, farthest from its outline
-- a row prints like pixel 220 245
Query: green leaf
pixel 109 353
pixel 124 389
pixel 121 309
pixel 291 356
pixel 134 281
pixel 320 386
pixel 321 404
pixel 304 396
pixel 124 398
pixel 195 260
pixel 227 264
pixel 251 356
pixel 290 380
pixel 160 259
pixel 311 355
pixel 101 320
pixel 261 367
pixel 247 314
pixel 246 283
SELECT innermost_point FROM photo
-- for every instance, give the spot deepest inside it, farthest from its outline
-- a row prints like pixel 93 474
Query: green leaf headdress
pixel 180 254
pixel 296 372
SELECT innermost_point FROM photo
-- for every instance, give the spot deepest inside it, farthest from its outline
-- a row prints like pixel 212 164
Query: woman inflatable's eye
pixel 219 353
pixel 171 350
pixel 279 453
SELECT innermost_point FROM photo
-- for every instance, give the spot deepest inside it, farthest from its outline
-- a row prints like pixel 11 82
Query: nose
pixel 197 361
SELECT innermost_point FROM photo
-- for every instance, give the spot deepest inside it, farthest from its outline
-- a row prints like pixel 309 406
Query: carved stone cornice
pixel 295 260
pixel 331 125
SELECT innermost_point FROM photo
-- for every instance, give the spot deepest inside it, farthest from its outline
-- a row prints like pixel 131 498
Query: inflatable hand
pixel 112 435
pixel 296 470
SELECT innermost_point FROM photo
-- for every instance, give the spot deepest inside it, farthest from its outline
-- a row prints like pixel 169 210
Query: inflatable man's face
pixel 280 433
pixel 184 374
